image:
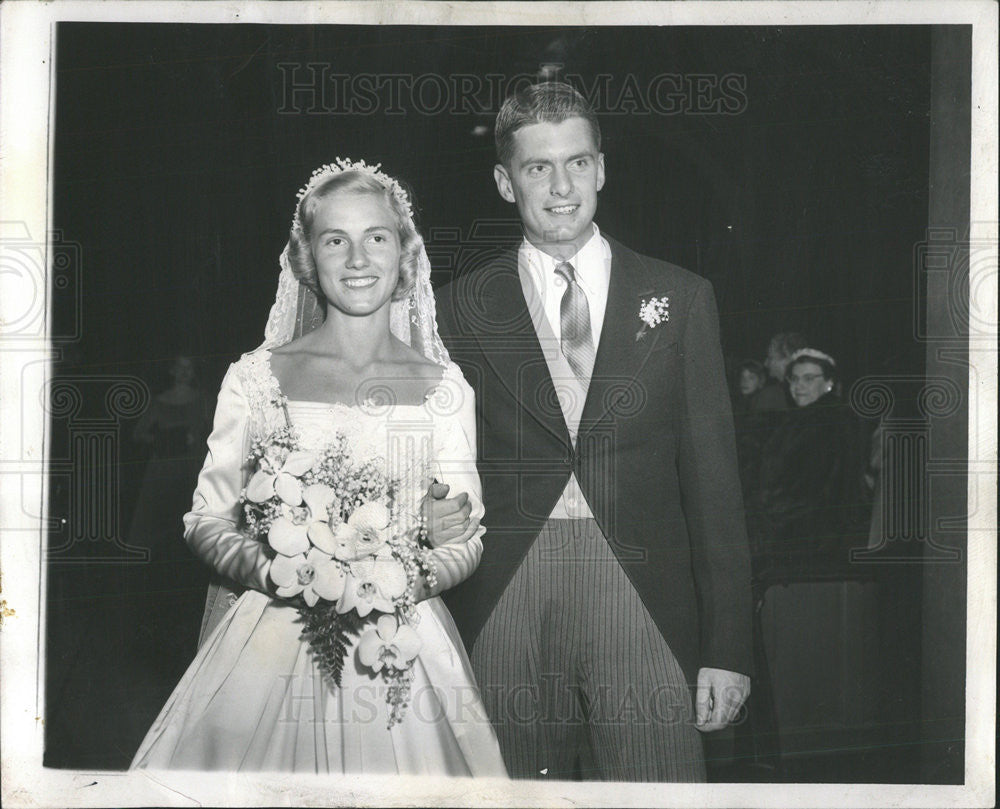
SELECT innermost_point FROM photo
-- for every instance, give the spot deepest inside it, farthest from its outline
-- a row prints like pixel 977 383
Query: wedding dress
pixel 253 698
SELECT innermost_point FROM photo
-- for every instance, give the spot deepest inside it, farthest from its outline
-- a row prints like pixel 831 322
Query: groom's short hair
pixel 547 102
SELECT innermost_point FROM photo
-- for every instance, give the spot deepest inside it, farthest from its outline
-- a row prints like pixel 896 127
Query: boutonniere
pixel 652 313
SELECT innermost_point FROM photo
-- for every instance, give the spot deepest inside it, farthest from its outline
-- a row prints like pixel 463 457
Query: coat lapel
pixel 508 341
pixel 620 355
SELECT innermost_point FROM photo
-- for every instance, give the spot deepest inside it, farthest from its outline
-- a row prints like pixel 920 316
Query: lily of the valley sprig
pixel 653 312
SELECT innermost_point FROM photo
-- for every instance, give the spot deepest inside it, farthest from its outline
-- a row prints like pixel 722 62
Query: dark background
pixel 177 174
pixel 178 155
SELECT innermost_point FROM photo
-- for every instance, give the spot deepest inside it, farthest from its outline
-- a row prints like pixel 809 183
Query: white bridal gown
pixel 253 698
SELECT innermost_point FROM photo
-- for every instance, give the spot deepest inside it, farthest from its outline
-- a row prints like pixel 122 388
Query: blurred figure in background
pixel 773 396
pixel 807 507
pixel 164 595
pixel 751 377
pixel 751 426
pixel 808 496
pixel 174 428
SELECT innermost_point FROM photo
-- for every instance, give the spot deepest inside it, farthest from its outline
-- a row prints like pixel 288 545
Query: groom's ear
pixel 504 185
pixel 600 170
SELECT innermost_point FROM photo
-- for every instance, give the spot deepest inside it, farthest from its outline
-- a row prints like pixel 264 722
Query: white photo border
pixel 27 93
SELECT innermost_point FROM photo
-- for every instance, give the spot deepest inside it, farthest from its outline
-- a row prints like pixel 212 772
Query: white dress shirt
pixel 543 290
pixel 592 265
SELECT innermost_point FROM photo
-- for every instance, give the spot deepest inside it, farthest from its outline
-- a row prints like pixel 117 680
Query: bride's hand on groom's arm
pixel 448 519
pixel 454 534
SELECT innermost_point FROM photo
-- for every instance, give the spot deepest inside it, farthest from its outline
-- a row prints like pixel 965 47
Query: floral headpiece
pixel 342 165
pixel 812 352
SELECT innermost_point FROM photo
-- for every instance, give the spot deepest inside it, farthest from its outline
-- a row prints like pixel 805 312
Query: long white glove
pixel 210 528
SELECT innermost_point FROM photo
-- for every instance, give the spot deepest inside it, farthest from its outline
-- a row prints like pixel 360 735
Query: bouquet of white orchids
pixel 330 524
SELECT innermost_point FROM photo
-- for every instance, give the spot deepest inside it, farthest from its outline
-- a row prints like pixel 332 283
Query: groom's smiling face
pixel 553 177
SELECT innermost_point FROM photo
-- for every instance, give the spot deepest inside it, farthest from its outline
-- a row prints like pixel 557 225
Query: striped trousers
pixel 574 674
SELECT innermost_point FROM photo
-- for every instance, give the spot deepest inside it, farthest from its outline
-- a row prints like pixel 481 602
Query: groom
pixel 609 620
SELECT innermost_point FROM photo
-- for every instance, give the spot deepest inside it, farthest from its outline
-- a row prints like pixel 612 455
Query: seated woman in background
pixel 806 498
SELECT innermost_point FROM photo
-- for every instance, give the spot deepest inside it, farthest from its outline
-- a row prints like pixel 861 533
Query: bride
pixel 375 376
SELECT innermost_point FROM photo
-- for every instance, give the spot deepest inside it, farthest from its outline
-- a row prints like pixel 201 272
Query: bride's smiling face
pixel 356 249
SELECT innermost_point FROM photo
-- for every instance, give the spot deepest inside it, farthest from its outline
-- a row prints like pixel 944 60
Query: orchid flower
pixel 375 582
pixel 365 533
pixel 389 644
pixel 284 482
pixel 290 534
pixel 314 574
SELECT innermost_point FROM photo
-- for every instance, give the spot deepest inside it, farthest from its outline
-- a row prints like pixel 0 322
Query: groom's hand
pixel 447 518
pixel 719 696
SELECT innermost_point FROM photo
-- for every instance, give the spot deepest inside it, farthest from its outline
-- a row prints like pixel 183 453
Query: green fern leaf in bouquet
pixel 329 635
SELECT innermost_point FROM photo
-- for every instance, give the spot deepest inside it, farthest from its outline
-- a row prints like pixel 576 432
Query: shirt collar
pixel 588 262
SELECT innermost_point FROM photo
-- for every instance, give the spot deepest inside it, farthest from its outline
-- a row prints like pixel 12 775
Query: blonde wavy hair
pixel 300 256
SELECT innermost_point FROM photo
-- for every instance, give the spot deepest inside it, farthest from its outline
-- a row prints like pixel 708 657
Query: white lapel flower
pixel 314 574
pixel 375 582
pixel 291 533
pixel 652 313
pixel 390 644
pixel 281 479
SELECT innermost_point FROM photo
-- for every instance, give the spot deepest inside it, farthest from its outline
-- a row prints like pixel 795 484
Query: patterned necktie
pixel 574 315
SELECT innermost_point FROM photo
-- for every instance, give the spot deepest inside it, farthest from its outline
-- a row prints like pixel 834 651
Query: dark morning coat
pixel 655 455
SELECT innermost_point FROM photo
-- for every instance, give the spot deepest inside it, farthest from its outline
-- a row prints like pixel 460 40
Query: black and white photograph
pixel 511 404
